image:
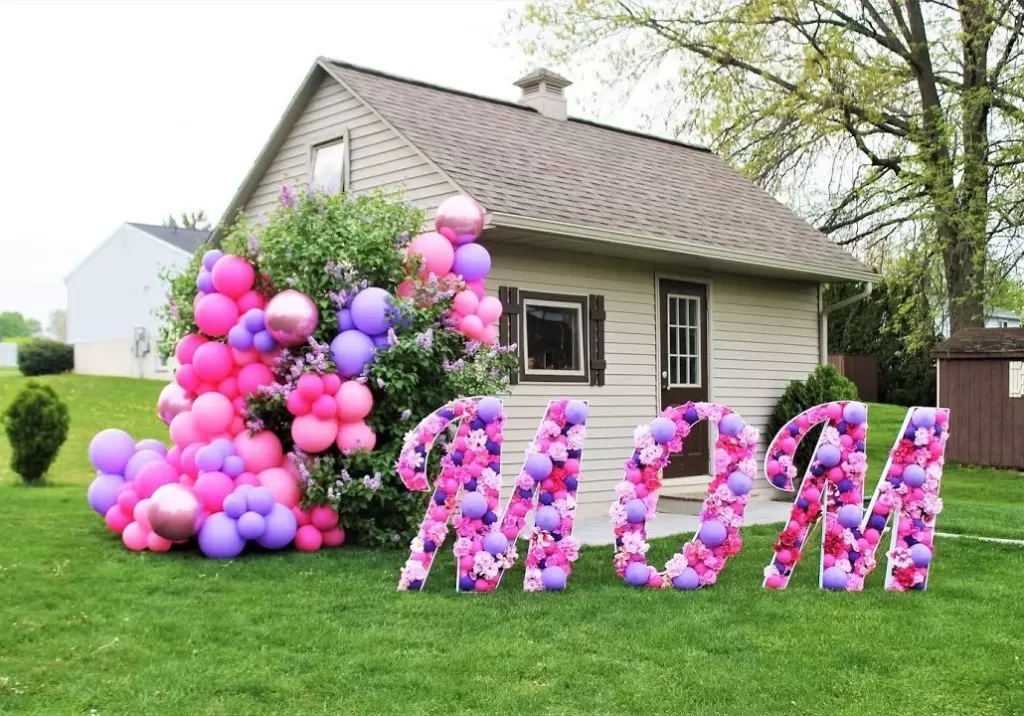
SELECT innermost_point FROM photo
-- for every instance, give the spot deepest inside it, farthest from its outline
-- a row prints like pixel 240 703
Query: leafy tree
pixel 15 325
pixel 59 324
pixel 910 111
pixel 188 220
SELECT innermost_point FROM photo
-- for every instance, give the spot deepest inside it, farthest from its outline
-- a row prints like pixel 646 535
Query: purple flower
pixel 426 339
pixel 450 367
pixel 334 269
pixel 392 337
pixel 287 197
pixel 372 483
pixel 254 245
pixel 173 308
pixel 472 347
pixel 344 477
pixel 406 414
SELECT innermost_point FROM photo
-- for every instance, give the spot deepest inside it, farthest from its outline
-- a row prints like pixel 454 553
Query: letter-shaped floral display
pixel 718 537
pixel 470 481
pixel 835 478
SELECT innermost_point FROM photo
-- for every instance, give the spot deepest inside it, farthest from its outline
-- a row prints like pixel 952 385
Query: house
pixel 981 380
pixel 994 318
pixel 662 273
pixel 113 295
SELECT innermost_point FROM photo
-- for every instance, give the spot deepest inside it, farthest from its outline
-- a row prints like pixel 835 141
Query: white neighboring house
pixel 994 318
pixel 113 296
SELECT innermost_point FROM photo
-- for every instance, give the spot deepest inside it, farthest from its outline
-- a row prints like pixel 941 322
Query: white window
pixel 554 339
pixel 1004 324
pixel 683 341
pixel 329 166
pixel 1016 379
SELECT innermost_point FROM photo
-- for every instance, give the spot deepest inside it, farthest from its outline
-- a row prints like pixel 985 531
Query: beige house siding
pixel 114 357
pixel 378 156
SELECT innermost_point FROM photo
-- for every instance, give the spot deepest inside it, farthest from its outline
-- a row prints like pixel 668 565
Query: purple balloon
pixel 110 450
pixel 731 425
pixel 489 409
pixel 636 511
pixel 855 413
pixel 224 446
pixel 687 580
pixel 495 542
pixel 739 483
pixel 712 533
pixel 472 262
pixel 233 466
pixel 234 505
pixel 850 516
pixel 204 281
pixel 663 430
pixel 251 525
pixel 547 519
pixel 538 465
pixel 576 412
pixel 474 505
pixel 920 555
pixel 219 538
pixel 151 444
pixel 829 455
pixel 136 461
pixel 834 578
pixel 239 337
pixel 103 491
pixel 253 320
pixel 264 342
pixel 352 350
pixel 370 311
pixel 261 500
pixel 345 322
pixel 280 527
pixel 923 418
pixel 637 573
pixel 209 459
pixel 553 579
pixel 913 475
pixel 210 258
pixel 381 342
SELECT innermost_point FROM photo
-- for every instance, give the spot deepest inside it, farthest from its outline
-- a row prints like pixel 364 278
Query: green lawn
pixel 89 628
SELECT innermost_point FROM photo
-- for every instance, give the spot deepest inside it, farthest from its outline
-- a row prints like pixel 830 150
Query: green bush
pixel 824 385
pixel 36 423
pixel 45 357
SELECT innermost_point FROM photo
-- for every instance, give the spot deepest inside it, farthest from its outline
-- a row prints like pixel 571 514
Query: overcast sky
pixel 125 111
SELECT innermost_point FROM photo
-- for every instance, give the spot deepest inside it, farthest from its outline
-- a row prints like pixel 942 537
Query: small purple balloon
pixel 712 533
pixel 204 281
pixel 253 320
pixel 828 455
pixel 576 412
pixel 239 337
pixel 370 310
pixel 224 446
pixel 210 258
pixel 850 516
pixel 495 542
pixel 834 578
pixel 637 573
pixel 142 457
pixel 547 519
pixel 280 527
pixel 472 262
pixel 261 500
pixel 538 465
pixel 110 450
pixel 687 580
pixel 489 409
pixel 381 342
pixel 209 459
pixel 636 511
pixel 920 555
pixel 855 413
pixel 913 475
pixel 663 430
pixel 352 350
pixel 233 466
pixel 474 505
pixel 151 444
pixel 251 525
pixel 739 483
pixel 103 491
pixel 264 342
pixel 553 578
pixel 731 425
pixel 219 538
pixel 345 322
pixel 234 505
pixel 923 418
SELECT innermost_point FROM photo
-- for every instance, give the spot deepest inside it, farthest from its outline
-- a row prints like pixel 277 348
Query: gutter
pixel 824 311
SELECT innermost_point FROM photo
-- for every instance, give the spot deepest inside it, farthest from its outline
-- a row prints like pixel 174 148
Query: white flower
pixel 416 545
pixel 625 491
pixel 651 454
pixel 830 436
pixel 676 566
pixel 476 440
pixel 577 434
pixel 618 514
pixel 634 543
pixel 642 437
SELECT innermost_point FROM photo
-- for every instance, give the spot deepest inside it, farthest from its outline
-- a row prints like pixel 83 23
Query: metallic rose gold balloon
pixel 172 512
pixel 461 216
pixel 291 317
pixel 173 400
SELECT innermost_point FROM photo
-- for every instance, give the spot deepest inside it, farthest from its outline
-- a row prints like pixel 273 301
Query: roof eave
pixel 682 248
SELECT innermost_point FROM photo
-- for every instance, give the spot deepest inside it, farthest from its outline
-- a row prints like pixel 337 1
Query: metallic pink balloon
pixel 461 216
pixel 173 510
pixel 291 317
pixel 173 400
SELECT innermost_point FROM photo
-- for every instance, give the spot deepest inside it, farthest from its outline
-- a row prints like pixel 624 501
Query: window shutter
pixel 508 328
pixel 596 340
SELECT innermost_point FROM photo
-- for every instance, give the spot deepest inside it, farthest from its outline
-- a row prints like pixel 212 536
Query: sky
pixel 127 111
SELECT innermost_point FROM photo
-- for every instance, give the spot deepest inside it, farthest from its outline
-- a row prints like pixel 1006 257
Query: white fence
pixel 8 355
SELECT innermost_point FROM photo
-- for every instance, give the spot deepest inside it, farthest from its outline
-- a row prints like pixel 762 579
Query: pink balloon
pixel 151 476
pixel 233 276
pixel 477 287
pixel 296 404
pixel 188 459
pixel 173 400
pixel 291 317
pixel 187 346
pixel 117 519
pixel 246 357
pixel 323 517
pixel 184 431
pixel 309 386
pixel 489 335
pixel 185 376
pixel 247 478
pixel 211 488
pixel 308 539
pixel 325 407
pixel 252 376
pixel 331 383
pixel 212 413
pixel 213 362
pixel 228 388
pixel 134 537
pixel 313 434
pixel 216 314
pixel 462 216
pixel 127 498
pixel 301 516
pixel 156 543
pixel 259 451
pixel 334 537
pixel 471 326
pixel 284 486
pixel 436 252
pixel 356 436
pixel 355 401
pixel 173 457
pixel 248 301
pixel 406 289
pixel 489 310
pixel 466 302
pixel 141 514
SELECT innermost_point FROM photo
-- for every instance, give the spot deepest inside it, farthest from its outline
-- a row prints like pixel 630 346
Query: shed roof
pixel 187 240
pixel 968 343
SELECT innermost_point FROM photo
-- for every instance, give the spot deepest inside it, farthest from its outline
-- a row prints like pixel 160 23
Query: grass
pixel 89 628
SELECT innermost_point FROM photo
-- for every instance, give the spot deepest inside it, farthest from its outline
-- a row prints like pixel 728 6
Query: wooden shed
pixel 981 381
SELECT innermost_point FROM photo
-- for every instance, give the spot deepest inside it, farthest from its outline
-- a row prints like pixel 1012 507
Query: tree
pixel 189 220
pixel 15 325
pixel 59 324
pixel 913 108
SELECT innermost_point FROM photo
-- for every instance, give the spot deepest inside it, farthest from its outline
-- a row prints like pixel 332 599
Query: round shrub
pixel 45 357
pixel 36 423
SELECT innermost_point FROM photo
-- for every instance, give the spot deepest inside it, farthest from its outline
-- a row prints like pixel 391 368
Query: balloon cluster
pixel 226 292
pixel 363 323
pixel 328 411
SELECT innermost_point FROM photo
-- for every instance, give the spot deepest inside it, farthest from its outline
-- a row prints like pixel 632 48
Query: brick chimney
pixel 542 90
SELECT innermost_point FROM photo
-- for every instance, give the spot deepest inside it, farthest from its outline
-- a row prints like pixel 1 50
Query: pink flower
pixel 558 452
pixel 524 481
pixel 634 543
pixel 721 461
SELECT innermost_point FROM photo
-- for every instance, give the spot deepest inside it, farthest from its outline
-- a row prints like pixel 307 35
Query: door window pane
pixel 683 334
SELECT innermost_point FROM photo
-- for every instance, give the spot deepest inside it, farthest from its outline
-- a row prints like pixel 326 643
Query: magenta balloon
pixel 461 215
pixel 472 262
pixel 172 512
pixel 173 400
pixel 291 317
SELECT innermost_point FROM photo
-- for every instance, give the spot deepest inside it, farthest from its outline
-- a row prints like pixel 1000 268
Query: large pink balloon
pixel 355 401
pixel 184 431
pixel 187 346
pixel 172 512
pixel 213 362
pixel 356 436
pixel 215 314
pixel 489 310
pixel 152 476
pixel 134 537
pixel 233 276
pixel 252 376
pixel 462 216
pixel 436 252
pixel 291 317
pixel 284 485
pixel 211 488
pixel 313 434
pixel 212 413
pixel 259 451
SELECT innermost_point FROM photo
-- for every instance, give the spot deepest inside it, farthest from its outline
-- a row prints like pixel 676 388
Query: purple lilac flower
pixel 426 339
pixel 173 308
pixel 472 347
pixel 402 240
pixel 287 197
pixel 254 245
pixel 255 425
pixel 406 414
pixel 392 337
pixel 372 483
pixel 334 269
pixel 450 367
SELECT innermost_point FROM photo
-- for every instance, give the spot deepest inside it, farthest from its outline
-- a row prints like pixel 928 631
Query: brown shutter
pixel 596 340
pixel 508 328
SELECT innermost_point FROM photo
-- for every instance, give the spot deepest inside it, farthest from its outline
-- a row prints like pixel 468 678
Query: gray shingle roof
pixel 516 161
pixel 983 343
pixel 185 239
